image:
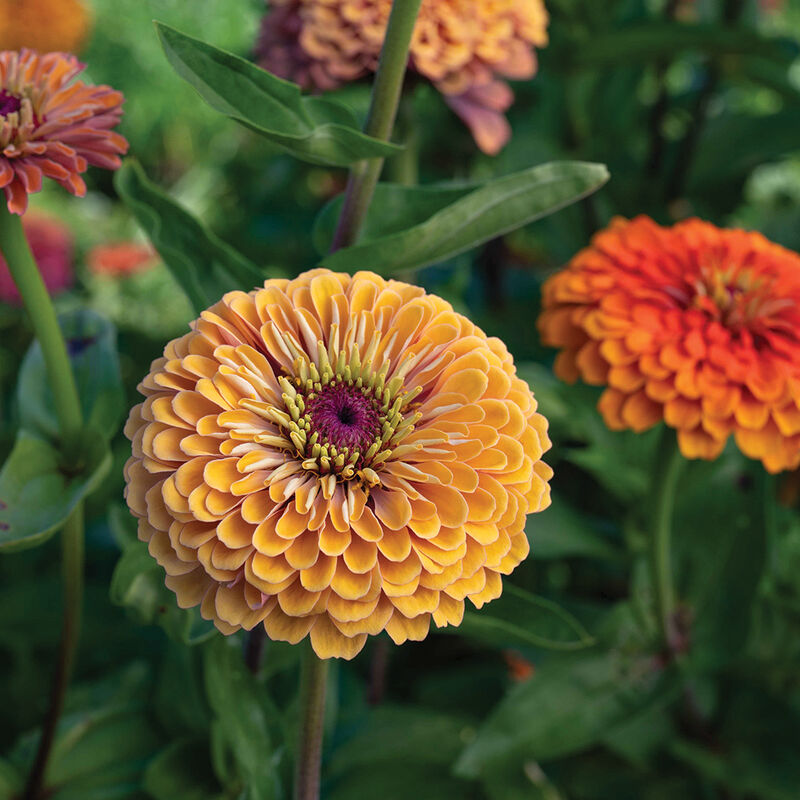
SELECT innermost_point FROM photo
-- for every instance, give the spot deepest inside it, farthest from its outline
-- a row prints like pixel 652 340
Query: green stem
pixel 380 120
pixel 72 574
pixel 404 167
pixel 313 682
pixel 39 306
pixel 667 470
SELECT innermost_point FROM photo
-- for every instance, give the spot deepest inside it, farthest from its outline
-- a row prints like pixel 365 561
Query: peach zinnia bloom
pixel 465 47
pixel 693 325
pixel 51 127
pixel 335 456
pixel 51 244
pixel 43 25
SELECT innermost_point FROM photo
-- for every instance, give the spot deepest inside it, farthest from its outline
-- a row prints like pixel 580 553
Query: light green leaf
pixel 37 494
pixel 492 209
pixel 204 266
pixel 312 129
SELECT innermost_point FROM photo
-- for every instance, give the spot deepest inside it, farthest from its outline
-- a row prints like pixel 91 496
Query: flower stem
pixel 667 470
pixel 39 306
pixel 380 120
pixel 72 574
pixel 313 682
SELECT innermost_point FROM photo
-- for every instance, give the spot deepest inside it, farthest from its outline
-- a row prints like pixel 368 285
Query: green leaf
pixel 138 585
pixel 242 725
pixel 92 346
pixel 428 738
pixel 570 704
pixel 312 129
pixel 182 772
pixel 562 531
pixel 486 212
pixel 37 494
pixel 519 618
pixel 204 266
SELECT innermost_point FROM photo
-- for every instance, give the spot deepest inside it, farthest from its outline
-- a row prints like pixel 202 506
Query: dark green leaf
pixel 313 129
pixel 570 704
pixel 92 345
pixel 241 710
pixel 182 772
pixel 490 210
pixel 37 494
pixel 397 782
pixel 204 266
pixel 519 618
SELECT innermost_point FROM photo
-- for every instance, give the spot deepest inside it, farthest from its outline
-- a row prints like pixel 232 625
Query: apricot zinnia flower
pixel 335 456
pixel 465 47
pixel 693 325
pixel 51 244
pixel 120 258
pixel 49 127
pixel 43 25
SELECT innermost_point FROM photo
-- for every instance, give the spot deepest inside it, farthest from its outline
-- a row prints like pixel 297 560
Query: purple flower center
pixel 9 103
pixel 344 417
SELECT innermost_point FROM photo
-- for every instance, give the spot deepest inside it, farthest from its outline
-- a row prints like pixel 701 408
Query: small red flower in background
pixel 52 128
pixel 692 325
pixel 52 247
pixel 464 47
pixel 519 668
pixel 120 259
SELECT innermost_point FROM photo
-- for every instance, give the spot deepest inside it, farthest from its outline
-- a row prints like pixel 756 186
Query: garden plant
pixel 399 398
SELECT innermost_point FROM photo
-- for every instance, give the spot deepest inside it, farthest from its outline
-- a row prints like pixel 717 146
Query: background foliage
pixel 695 108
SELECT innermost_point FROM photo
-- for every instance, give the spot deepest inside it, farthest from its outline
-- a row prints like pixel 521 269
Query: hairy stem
pixel 313 683
pixel 39 306
pixel 665 480
pixel 380 120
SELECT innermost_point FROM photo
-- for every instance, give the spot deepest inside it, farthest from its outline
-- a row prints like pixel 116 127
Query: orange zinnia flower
pixel 693 325
pixel 49 127
pixel 335 456
pixel 43 25
pixel 465 47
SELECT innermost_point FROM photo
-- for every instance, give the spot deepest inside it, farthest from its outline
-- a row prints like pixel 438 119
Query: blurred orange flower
pixel 465 47
pixel 44 25
pixel 693 325
pixel 334 456
pixel 51 244
pixel 120 258
pixel 51 128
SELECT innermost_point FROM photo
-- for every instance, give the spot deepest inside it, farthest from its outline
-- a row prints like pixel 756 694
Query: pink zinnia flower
pixel 51 244
pixel 52 127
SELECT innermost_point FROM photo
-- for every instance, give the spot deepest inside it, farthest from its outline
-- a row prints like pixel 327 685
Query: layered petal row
pixel 52 127
pixel 335 456
pixel 465 47
pixel 693 325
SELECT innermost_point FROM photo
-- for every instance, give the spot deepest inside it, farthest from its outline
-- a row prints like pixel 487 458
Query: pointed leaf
pixel 203 264
pixel 519 618
pixel 496 207
pixel 312 129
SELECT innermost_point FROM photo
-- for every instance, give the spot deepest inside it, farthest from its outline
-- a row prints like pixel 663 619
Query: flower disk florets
pixel 692 325
pixel 333 457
